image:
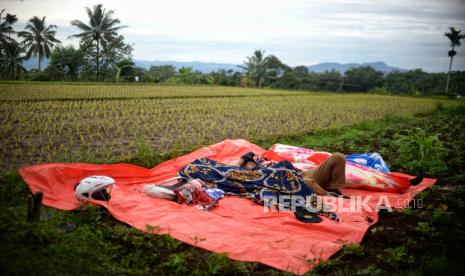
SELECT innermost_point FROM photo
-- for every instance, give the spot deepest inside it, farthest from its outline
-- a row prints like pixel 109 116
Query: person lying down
pixel 206 181
pixel 331 174
pixel 324 179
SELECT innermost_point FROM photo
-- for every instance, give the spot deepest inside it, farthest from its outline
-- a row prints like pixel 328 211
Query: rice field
pixel 56 91
pixel 106 123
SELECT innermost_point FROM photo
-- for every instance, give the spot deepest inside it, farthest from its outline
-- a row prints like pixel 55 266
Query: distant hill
pixel 328 66
pixel 206 67
pixel 33 63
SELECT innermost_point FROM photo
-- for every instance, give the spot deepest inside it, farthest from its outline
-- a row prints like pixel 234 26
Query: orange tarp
pixel 242 229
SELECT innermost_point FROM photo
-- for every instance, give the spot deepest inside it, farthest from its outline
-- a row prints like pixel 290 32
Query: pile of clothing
pixel 193 192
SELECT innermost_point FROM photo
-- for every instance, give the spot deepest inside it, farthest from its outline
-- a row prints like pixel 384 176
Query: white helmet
pixel 94 187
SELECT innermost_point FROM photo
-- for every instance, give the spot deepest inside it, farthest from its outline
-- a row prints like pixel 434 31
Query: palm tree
pixel 11 61
pixel 259 67
pixel 40 39
pixel 101 30
pixel 4 29
pixel 256 67
pixel 10 19
pixel 454 37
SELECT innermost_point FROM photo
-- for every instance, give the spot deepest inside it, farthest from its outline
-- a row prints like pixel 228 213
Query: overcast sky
pixel 403 33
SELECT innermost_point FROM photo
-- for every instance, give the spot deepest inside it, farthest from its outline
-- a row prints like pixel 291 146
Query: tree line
pixel 101 48
pixel 103 55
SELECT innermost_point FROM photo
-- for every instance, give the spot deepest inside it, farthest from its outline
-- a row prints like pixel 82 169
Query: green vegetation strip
pixel 57 91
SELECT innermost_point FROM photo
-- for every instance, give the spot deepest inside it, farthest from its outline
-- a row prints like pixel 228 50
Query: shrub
pixel 419 152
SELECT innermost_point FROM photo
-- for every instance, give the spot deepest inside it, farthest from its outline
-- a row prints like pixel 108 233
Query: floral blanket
pixel 277 179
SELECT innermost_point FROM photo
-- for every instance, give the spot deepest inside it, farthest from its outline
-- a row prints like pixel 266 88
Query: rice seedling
pixel 99 123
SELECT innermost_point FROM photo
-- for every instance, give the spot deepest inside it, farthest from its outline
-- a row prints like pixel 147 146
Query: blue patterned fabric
pixel 370 160
pixel 278 179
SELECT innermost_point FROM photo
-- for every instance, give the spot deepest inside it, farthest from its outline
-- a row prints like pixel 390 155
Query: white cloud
pixel 403 33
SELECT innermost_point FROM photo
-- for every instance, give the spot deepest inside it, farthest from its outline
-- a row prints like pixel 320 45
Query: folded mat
pixel 238 227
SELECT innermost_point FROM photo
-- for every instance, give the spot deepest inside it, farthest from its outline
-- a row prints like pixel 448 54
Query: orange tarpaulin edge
pixel 243 230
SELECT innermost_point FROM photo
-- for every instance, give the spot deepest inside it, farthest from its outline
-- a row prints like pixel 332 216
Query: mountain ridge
pixel 206 67
pixel 343 67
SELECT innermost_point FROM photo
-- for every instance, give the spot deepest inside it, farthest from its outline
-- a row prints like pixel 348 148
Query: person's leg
pixel 338 173
pixel 330 174
pixel 314 186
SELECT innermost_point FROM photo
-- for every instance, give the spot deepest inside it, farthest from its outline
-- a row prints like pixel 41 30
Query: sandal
pixel 337 193
pixel 302 214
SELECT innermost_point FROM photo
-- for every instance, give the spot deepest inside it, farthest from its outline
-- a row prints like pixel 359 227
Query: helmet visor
pixel 102 194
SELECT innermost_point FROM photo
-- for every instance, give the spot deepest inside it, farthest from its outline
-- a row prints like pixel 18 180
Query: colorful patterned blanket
pixel 357 176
